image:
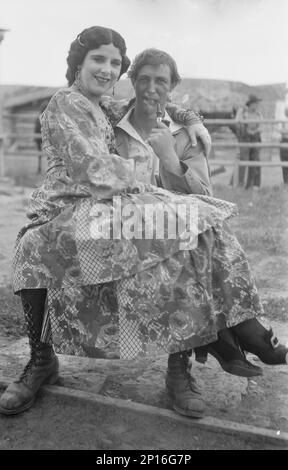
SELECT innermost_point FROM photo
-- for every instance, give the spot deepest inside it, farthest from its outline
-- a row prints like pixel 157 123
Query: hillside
pixel 213 95
pixel 202 94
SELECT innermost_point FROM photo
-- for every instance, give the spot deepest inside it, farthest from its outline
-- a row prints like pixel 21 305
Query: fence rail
pixel 2 161
pixel 232 144
pixel 220 122
pixel 265 145
pixel 246 163
pixel 26 135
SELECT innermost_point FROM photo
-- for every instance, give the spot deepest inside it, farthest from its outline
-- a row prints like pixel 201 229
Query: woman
pixel 59 252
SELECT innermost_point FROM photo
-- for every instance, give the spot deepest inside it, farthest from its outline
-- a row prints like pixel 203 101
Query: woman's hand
pixel 200 131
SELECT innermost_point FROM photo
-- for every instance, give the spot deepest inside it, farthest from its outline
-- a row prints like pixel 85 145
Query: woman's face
pixel 100 69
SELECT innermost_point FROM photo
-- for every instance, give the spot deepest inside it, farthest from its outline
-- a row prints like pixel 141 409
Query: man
pixel 250 132
pixel 155 150
pixel 284 151
pixel 163 154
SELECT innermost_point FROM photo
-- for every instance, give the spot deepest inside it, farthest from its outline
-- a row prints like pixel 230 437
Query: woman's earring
pixel 113 90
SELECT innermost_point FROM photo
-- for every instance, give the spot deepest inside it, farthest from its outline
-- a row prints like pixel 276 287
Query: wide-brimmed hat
pixel 253 99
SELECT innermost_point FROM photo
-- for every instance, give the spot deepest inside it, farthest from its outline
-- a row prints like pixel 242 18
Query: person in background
pixel 250 132
pixel 284 151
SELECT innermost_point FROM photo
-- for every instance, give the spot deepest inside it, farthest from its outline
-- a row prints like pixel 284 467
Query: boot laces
pixel 35 359
pixel 189 381
pixel 29 366
pixel 193 384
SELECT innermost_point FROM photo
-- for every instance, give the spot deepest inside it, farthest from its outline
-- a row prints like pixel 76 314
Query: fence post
pixel 2 163
pixel 236 173
pixel 2 169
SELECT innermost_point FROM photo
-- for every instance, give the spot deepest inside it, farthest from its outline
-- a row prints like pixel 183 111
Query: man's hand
pixel 163 143
pixel 200 131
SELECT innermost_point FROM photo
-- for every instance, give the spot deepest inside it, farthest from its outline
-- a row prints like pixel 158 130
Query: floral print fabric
pixel 59 248
pixel 112 298
pixel 178 304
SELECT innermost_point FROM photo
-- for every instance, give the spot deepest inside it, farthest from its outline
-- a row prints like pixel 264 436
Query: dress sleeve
pixel 74 133
pixel 115 110
pixel 180 115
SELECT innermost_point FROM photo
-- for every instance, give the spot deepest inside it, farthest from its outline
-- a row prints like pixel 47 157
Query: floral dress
pixel 123 296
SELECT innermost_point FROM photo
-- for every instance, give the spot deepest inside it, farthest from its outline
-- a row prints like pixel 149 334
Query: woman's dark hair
pixel 93 38
pixel 154 57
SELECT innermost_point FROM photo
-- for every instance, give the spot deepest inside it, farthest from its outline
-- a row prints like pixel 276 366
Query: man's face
pixel 152 86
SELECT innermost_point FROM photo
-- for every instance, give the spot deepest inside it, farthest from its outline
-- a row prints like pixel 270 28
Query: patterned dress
pixel 124 296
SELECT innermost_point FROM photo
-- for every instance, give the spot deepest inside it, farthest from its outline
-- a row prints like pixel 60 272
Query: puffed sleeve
pixel 74 132
pixel 184 116
pixel 115 110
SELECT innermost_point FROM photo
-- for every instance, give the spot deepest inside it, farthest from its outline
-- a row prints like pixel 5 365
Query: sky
pixel 241 40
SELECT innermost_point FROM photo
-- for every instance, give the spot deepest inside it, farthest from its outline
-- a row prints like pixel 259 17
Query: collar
pixel 174 126
pixel 126 125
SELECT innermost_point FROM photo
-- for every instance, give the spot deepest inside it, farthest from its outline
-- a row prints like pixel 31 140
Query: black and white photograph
pixel 143 228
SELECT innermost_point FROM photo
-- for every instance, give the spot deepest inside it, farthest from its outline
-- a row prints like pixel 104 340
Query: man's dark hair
pixel 154 57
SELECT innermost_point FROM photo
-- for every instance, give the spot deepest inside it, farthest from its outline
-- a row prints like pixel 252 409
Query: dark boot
pixel 229 355
pixel 254 338
pixel 43 365
pixel 181 386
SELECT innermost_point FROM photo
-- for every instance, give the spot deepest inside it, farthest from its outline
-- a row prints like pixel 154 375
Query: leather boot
pixel 181 386
pixel 43 365
pixel 228 353
pixel 254 338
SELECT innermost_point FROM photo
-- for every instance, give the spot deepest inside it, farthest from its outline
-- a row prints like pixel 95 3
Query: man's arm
pixel 183 167
pixel 195 178
pixel 194 124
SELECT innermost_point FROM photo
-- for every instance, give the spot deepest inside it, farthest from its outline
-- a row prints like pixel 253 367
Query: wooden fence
pixel 213 162
pixel 2 167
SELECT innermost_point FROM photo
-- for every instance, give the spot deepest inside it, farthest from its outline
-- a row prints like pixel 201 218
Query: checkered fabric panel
pixel 130 345
pixel 88 249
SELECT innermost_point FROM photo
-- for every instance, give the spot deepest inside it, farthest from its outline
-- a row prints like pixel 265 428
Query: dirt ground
pixel 262 228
